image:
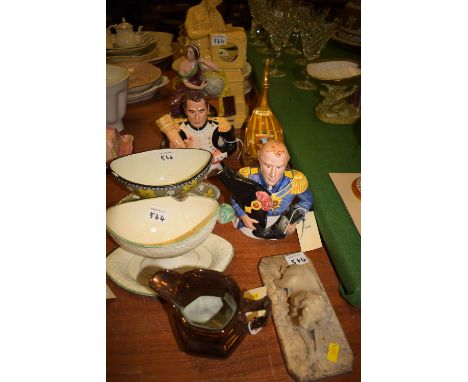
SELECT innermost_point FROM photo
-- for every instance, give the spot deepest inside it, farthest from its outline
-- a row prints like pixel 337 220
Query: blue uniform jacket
pixel 293 184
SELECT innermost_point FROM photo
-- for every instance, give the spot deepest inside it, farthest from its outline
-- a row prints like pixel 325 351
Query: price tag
pixel 308 233
pixel 218 39
pixel 297 258
pixel 166 156
pixel 157 215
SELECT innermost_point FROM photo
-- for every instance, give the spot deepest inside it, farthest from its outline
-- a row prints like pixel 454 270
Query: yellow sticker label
pixel 333 350
pixel 255 294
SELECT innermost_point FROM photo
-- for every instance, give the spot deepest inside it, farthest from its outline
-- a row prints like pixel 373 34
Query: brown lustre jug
pixel 208 310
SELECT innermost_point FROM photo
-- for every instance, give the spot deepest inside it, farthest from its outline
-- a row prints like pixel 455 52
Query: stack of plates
pixel 144 80
pixel 141 75
pixel 159 49
pixel 146 44
pixel 148 93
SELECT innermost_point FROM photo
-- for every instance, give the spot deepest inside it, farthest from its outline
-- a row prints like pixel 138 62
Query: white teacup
pixel 116 95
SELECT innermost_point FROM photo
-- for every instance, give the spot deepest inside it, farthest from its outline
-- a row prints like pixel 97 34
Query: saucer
pixel 148 93
pixel 132 272
pixel 142 75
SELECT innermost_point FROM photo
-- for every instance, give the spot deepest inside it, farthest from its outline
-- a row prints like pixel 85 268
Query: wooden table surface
pixel 140 343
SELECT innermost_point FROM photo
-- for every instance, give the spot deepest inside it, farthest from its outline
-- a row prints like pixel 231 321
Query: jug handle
pixel 165 283
pixel 253 305
pixel 109 28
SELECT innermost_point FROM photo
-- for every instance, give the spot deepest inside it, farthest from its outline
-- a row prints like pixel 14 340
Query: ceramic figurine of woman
pixel 190 77
pixel 279 188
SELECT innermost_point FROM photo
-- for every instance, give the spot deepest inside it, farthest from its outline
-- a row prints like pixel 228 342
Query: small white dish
pixel 148 93
pixel 131 272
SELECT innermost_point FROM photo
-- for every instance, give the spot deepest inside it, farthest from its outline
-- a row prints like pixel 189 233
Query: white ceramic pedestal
pixel 116 96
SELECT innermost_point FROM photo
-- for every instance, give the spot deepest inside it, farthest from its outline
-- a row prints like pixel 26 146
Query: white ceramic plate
pixel 132 272
pixel 143 47
pixel 333 69
pixel 161 51
pixel 148 93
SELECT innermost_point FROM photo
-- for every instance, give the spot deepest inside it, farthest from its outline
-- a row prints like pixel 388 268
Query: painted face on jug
pixel 273 160
pixel 197 112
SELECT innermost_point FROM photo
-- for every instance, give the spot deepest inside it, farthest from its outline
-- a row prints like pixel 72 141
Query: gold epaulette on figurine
pixel 299 182
pixel 246 171
pixel 224 124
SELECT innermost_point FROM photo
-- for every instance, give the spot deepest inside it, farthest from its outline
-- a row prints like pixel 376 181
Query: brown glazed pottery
pixel 208 310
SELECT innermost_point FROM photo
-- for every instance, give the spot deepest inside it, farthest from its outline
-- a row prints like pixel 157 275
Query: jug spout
pixel 166 284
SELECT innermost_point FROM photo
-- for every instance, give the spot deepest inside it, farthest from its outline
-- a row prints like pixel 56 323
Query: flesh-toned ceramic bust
pixel 273 158
pixel 264 197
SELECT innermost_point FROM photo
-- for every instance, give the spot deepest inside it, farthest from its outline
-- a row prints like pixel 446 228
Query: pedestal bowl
pixel 335 71
pixel 340 81
pixel 116 96
pixel 163 172
pixel 162 227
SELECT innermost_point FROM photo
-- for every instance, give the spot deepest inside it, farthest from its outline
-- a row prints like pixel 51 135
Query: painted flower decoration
pixel 275 202
pixel 189 185
pixel 264 199
pixel 146 193
pixel 254 205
